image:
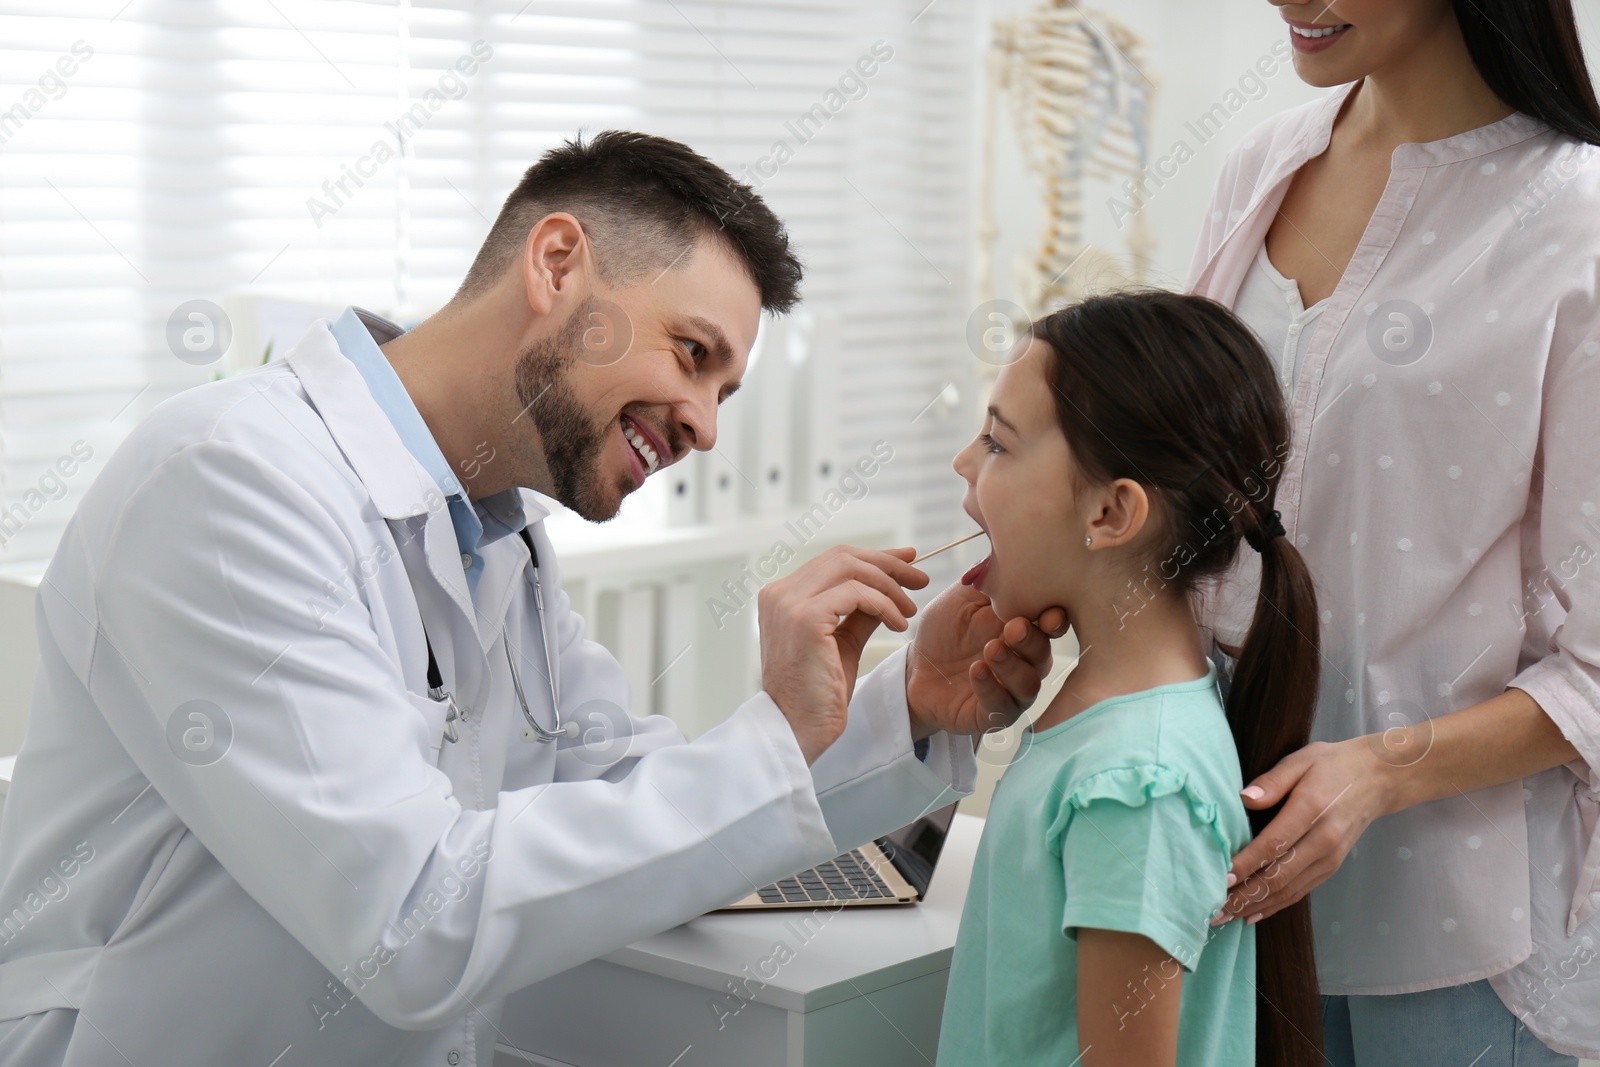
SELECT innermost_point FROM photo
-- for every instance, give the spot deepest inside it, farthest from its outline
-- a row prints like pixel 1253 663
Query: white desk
pixel 861 986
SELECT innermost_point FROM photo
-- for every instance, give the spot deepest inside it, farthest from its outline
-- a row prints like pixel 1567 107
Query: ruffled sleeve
pixel 1142 852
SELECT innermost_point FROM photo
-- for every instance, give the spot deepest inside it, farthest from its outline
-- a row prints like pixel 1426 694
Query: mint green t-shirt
pixel 1124 817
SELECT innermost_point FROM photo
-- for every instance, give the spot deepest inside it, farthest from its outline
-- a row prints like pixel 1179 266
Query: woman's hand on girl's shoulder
pixel 1334 792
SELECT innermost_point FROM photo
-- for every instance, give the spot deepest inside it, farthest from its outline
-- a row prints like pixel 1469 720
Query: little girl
pixel 1130 447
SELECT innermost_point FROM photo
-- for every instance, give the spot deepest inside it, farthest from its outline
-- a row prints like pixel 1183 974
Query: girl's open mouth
pixel 976 572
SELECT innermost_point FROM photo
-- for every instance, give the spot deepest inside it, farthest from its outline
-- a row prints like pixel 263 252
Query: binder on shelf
pixel 626 624
pixel 817 461
pixel 676 681
pixel 685 492
pixel 722 484
pixel 636 634
pixel 768 436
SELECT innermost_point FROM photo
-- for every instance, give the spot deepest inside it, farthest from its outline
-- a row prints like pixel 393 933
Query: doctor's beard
pixel 573 442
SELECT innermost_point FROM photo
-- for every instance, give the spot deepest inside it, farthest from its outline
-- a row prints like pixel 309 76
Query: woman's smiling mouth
pixel 1309 37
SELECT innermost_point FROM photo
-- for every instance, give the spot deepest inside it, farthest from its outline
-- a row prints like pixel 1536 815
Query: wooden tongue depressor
pixel 952 544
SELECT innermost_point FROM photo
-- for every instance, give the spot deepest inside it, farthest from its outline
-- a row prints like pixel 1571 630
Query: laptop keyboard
pixel 846 877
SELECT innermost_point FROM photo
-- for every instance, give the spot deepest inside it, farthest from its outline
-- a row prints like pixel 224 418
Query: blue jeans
pixel 1451 1027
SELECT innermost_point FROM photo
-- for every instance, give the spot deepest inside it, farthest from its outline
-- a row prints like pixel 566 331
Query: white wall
pixel 1197 52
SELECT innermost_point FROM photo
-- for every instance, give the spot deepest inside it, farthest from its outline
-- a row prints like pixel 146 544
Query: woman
pixel 1418 251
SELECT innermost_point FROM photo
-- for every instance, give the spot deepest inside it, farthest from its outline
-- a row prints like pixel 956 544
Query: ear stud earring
pixel 1088 542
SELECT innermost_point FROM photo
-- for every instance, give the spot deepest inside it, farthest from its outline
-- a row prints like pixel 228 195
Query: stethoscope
pixel 535 732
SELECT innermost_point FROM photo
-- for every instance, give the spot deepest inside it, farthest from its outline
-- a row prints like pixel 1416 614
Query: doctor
pixel 241 829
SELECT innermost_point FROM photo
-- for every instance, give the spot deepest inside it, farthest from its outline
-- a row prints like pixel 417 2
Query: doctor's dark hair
pixel 1528 53
pixel 1175 393
pixel 643 201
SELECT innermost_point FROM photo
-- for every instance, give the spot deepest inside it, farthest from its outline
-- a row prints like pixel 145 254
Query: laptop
pixel 894 869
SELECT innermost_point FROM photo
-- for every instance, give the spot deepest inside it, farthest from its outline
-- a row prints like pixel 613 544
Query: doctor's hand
pixel 814 624
pixel 969 673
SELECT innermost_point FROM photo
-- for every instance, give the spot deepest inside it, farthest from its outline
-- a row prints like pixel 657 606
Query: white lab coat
pixel 340 887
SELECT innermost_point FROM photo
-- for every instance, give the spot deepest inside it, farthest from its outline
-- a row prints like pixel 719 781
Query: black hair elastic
pixel 1269 529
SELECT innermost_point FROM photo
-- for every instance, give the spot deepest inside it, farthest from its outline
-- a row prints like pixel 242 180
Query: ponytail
pixel 1272 697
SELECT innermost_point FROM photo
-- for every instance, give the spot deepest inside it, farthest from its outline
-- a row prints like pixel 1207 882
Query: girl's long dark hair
pixel 1177 394
pixel 1528 53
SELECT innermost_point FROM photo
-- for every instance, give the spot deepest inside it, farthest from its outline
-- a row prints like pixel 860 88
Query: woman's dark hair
pixel 1175 393
pixel 1528 53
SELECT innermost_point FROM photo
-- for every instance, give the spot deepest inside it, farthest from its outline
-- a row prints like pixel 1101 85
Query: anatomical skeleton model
pixel 1081 105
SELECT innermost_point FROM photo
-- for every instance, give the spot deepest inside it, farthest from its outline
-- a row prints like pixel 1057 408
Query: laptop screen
pixel 914 849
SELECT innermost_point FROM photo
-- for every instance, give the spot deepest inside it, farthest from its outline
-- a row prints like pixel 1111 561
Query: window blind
pixel 159 152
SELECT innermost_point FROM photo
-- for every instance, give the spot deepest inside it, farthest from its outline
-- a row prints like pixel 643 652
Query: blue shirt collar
pixel 355 333
pixel 358 334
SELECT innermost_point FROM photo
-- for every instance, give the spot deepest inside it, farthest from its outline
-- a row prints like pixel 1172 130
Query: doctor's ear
pixel 557 261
